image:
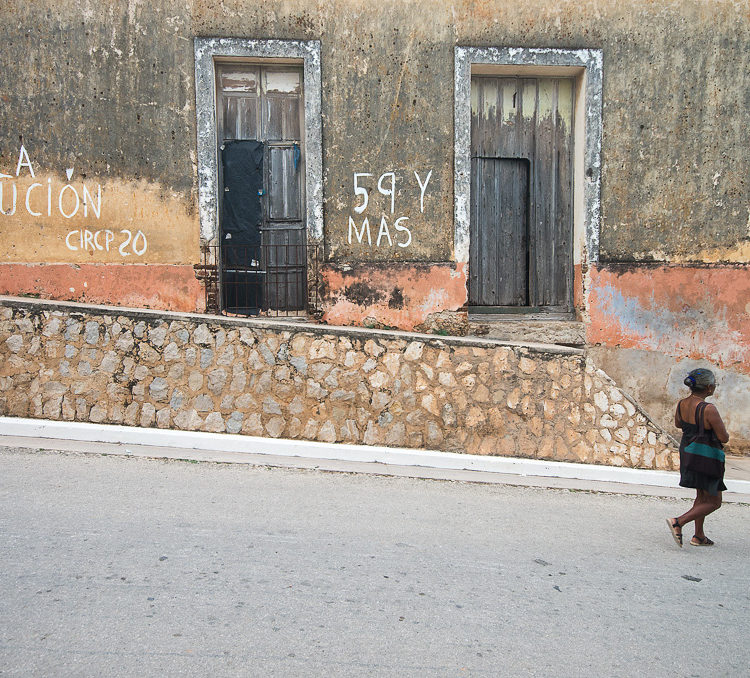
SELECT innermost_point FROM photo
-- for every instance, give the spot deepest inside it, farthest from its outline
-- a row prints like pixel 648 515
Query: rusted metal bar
pixel 279 279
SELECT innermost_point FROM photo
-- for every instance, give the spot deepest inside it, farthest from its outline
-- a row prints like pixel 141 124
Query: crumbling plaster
pixel 586 64
pixel 207 51
pixel 118 101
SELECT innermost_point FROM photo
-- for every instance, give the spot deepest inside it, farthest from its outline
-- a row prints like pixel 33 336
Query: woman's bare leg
pixel 703 505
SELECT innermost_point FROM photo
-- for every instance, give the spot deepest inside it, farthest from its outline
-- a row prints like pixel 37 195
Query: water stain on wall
pixel 680 311
pixel 417 291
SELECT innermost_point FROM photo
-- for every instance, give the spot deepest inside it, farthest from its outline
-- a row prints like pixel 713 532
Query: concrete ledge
pixel 239 449
pixel 532 328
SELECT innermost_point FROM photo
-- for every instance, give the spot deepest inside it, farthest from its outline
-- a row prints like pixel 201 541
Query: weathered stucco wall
pixel 106 90
pixel 655 380
pixel 97 145
pixel 419 297
pixel 679 311
pixel 651 325
pixel 98 153
pixel 317 383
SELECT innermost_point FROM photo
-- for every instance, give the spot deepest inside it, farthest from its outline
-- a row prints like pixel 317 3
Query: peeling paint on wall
pixel 392 295
pixel 166 287
pixel 66 216
pixel 679 311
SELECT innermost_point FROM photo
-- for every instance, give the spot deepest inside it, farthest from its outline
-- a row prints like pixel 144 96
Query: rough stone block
pixel 188 420
pixel 125 342
pixel 159 389
pixel 215 423
pixel 322 348
pixel 14 343
pixel 91 333
pixel 98 413
pixel 275 427
pixel 234 422
pixel 163 417
pixel 246 336
pixel 157 335
pixel 130 416
pixel 203 403
pixel 396 435
pixel 315 390
pixel 327 432
pixel 414 351
pixel 217 379
pixel 373 434
pixel 202 336
pixel 270 406
pixel 300 364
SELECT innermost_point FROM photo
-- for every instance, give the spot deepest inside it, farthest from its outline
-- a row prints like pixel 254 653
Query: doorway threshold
pixel 547 328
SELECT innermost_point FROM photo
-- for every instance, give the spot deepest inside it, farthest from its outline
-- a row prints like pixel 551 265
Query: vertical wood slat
pixel 488 224
pixel 539 232
pixel 229 119
pixel 240 119
pixel 282 118
pixel 248 117
pixel 474 233
pixel 563 217
pixel 284 192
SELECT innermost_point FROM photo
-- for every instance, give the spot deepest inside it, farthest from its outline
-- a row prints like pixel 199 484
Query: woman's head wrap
pixel 700 379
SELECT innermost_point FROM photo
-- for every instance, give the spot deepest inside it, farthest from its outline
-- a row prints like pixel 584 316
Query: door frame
pixel 585 65
pixel 210 50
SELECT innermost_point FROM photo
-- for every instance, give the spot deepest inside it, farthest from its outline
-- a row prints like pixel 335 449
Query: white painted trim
pixel 251 445
pixel 587 136
pixel 207 50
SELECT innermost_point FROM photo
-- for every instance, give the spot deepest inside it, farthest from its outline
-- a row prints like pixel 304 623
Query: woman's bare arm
pixel 714 421
pixel 677 420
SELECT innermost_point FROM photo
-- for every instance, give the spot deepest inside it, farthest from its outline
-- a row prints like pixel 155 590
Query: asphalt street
pixel 114 566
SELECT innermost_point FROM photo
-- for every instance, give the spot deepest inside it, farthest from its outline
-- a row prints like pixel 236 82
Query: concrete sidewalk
pixel 74 437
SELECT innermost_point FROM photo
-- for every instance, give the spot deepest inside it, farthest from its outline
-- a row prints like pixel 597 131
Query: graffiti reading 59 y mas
pixel 386 185
pixel 40 200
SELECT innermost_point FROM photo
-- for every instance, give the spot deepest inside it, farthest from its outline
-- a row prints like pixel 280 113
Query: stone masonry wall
pixel 313 382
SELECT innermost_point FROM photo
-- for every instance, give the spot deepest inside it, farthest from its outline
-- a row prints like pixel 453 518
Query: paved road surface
pixel 129 567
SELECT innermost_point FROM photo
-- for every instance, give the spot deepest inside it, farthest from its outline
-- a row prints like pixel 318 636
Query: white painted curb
pixel 225 442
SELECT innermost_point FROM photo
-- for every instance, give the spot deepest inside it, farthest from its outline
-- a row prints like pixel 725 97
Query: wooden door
pixel 521 252
pixel 499 273
pixel 265 104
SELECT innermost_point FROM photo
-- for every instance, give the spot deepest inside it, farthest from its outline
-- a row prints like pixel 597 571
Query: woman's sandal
pixel 674 528
pixel 701 541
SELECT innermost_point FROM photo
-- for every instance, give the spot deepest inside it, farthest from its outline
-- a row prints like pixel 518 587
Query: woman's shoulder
pixel 711 410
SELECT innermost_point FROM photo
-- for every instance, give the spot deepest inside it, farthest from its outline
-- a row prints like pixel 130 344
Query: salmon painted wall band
pixel 158 286
pixel 395 295
pixel 689 312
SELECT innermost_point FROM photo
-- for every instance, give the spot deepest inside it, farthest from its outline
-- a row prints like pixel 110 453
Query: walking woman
pixel 704 472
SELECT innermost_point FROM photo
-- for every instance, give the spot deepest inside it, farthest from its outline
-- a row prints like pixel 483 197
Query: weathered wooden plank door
pixel 521 253
pixel 265 104
pixel 499 276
